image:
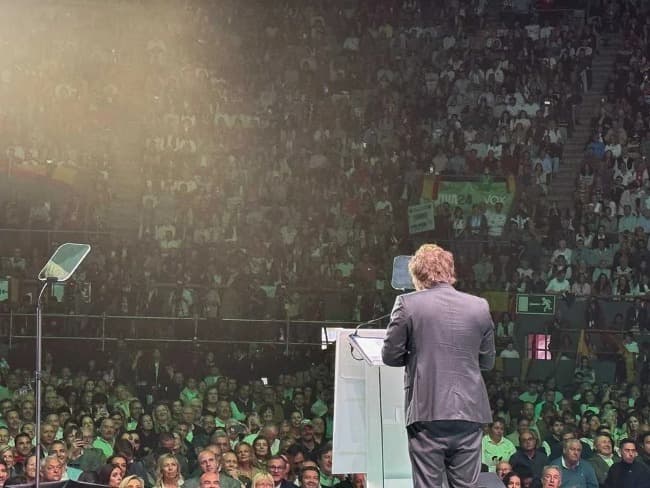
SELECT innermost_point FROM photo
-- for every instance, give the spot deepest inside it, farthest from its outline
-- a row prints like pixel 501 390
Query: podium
pixel 369 423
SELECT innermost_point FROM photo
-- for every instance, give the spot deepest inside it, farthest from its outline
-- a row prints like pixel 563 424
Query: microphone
pixel 363 324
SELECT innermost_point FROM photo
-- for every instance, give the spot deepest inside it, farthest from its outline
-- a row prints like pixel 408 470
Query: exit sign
pixel 536 304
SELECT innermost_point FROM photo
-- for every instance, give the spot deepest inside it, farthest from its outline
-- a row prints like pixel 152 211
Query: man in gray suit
pixel 210 463
pixel 444 338
pixel 604 457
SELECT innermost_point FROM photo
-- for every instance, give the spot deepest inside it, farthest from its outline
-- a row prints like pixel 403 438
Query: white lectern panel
pixel 395 440
pixel 350 431
pixel 369 428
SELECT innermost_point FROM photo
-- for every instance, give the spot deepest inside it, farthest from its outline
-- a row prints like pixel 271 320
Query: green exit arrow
pixel 546 304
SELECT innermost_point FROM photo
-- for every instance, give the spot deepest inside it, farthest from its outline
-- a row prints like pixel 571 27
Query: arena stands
pixel 260 160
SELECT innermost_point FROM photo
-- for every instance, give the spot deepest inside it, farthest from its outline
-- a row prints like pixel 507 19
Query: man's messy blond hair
pixel 431 264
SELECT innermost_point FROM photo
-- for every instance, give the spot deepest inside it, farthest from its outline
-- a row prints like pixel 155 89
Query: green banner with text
pixel 464 194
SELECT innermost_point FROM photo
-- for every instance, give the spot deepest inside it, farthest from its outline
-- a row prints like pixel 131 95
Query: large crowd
pixel 274 150
pixel 311 130
pixel 135 414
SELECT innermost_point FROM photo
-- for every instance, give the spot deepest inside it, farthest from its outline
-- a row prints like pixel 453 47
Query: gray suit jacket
pixel 444 338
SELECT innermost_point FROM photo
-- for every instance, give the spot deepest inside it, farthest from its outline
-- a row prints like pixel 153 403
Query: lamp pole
pixel 37 374
pixel 61 265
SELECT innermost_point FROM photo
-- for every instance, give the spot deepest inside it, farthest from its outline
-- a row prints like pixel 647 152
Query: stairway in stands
pixel 563 187
pixel 123 216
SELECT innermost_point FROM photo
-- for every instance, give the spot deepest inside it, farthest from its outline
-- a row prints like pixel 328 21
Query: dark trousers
pixel 451 446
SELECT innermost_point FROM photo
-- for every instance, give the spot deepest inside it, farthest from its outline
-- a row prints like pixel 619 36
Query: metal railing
pixel 105 328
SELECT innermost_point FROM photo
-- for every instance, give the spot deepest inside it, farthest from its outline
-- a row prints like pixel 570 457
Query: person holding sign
pixel 444 338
